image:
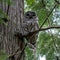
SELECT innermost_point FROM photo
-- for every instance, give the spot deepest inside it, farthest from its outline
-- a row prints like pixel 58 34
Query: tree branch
pixel 57 2
pixel 48 15
pixel 8 9
pixel 56 27
pixel 41 29
pixel 21 52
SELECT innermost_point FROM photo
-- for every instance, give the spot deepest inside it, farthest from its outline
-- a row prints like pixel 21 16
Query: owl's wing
pixel 25 28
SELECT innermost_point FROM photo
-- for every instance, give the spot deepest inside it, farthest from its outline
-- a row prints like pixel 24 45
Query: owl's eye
pixel 34 14
pixel 27 14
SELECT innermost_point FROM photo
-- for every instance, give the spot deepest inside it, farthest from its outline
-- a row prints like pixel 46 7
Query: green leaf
pixel 29 54
pixel 3 55
pixel 42 14
pixel 29 2
pixel 6 1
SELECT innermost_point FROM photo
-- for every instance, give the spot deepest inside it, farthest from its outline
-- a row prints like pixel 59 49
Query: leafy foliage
pixel 6 1
pixel 29 55
pixel 48 41
pixel 2 13
pixel 3 55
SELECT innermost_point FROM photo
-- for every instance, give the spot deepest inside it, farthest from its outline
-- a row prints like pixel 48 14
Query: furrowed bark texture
pixel 8 42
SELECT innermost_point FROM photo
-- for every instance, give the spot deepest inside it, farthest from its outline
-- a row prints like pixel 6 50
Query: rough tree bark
pixel 11 43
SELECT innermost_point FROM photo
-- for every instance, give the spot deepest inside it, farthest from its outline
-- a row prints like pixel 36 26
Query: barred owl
pixel 30 24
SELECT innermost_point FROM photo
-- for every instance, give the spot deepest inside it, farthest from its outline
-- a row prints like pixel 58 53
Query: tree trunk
pixel 11 43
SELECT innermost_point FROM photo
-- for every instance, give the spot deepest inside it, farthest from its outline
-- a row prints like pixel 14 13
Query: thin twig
pixel 14 53
pixel 48 15
pixel 57 1
pixel 27 43
pixel 22 51
pixel 8 9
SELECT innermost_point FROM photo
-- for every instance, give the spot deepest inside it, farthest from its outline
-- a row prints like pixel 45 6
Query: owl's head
pixel 30 15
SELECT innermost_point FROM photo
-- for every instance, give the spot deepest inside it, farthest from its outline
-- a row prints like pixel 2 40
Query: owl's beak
pixel 30 17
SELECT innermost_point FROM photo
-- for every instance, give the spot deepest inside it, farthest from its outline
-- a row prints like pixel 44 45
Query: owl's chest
pixel 30 26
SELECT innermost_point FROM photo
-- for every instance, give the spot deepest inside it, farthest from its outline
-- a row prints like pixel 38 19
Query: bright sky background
pixel 42 58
